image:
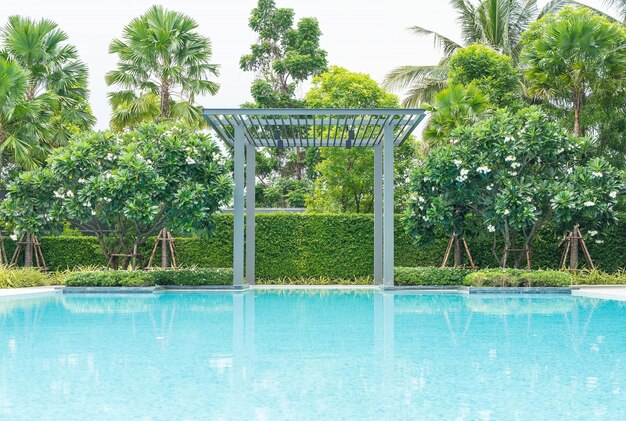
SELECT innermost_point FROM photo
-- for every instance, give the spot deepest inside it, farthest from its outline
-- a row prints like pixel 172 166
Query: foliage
pixel 497 24
pixel 507 175
pixel 321 280
pixel 164 63
pixel 493 74
pixel 596 277
pixel 433 276
pixel 518 278
pixel 345 181
pixel 43 90
pixel 283 57
pixel 453 107
pixel 24 277
pixel 339 246
pixel 124 188
pixel 574 57
pixel 118 278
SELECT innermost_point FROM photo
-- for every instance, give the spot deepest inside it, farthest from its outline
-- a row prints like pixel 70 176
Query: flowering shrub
pixel 510 174
pixel 124 187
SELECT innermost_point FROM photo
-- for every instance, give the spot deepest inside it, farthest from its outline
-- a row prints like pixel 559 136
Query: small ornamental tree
pixel 510 175
pixel 124 188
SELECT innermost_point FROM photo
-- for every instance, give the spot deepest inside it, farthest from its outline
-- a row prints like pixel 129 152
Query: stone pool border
pixel 607 292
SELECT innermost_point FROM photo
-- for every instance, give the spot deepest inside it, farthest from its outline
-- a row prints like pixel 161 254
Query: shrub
pixel 429 276
pixel 114 278
pixel 322 280
pixel 23 277
pixel 596 277
pixel 518 278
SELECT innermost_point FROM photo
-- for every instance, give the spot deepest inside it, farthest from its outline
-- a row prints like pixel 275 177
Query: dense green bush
pixel 518 278
pixel 429 276
pixel 596 277
pixel 22 278
pixel 321 280
pixel 310 246
pixel 182 277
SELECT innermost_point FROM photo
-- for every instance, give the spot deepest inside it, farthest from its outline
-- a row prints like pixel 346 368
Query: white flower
pixel 464 172
pixel 491 228
pixel 515 165
pixel 58 194
pixel 589 204
pixel 599 241
pixel 597 174
pixel 507 139
pixel 69 194
pixel 461 178
pixel 189 160
pixel 510 158
pixel 420 199
pixel 593 233
pixel 13 237
pixel 529 199
pixel 560 150
pixel 483 170
pixel 569 170
pixel 513 173
pixel 613 194
pixel 109 156
pixel 81 180
pixel 506 212
pixel 457 162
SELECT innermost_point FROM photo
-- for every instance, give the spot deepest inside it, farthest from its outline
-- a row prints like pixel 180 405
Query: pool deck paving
pixel 12 292
pixel 608 292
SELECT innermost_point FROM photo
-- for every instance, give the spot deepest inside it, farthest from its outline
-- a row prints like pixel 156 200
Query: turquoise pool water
pixel 310 355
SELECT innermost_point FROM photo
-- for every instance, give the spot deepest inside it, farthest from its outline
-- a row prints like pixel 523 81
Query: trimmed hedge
pixel 429 276
pixel 119 278
pixel 314 245
pixel 518 278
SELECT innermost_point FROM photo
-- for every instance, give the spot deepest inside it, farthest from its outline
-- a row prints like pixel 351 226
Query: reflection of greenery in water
pixel 10 304
pixel 322 292
pixel 429 303
pixel 108 304
pixel 512 305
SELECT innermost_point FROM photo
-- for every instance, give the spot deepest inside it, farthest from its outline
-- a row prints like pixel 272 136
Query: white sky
pixel 367 36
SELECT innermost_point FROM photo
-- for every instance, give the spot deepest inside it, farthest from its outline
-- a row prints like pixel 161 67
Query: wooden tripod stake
pixel 32 248
pixel 454 242
pixel 166 240
pixel 572 241
pixel 3 253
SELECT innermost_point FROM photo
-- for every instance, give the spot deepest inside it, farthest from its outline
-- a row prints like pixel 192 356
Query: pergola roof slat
pixel 314 127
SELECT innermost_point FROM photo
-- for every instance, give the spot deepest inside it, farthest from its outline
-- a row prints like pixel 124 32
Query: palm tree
pixel 573 57
pixel 163 64
pixel 23 122
pixel 498 24
pixel 49 90
pixel 619 6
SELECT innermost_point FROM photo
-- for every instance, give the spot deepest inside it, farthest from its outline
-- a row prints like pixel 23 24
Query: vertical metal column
pixel 250 206
pixel 238 227
pixel 388 202
pixel 378 214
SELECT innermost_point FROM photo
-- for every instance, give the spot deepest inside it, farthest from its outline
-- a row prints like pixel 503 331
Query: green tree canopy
pixel 44 86
pixel 574 57
pixel 123 188
pixel 508 176
pixel 497 24
pixel 346 176
pixel 164 63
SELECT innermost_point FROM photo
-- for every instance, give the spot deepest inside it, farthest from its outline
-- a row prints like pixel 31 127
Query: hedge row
pixel 114 278
pixel 335 246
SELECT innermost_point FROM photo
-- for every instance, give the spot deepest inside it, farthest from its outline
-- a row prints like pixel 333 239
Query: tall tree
pixel 48 94
pixel 498 24
pixel 164 63
pixel 574 58
pixel 284 56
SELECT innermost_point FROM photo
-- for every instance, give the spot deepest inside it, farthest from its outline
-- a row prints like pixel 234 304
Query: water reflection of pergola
pixel 247 129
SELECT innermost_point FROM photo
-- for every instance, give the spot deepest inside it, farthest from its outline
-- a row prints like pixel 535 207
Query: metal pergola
pixel 248 128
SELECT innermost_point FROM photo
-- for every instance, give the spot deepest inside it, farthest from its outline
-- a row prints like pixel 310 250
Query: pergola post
pixel 238 224
pixel 378 214
pixel 388 207
pixel 250 207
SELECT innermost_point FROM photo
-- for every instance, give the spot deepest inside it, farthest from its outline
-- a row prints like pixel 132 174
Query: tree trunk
pixel 28 251
pixel 577 106
pixel 164 255
pixel 458 253
pixel 573 256
pixel 165 98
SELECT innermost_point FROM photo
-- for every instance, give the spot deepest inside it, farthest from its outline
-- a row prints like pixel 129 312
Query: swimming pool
pixel 305 355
